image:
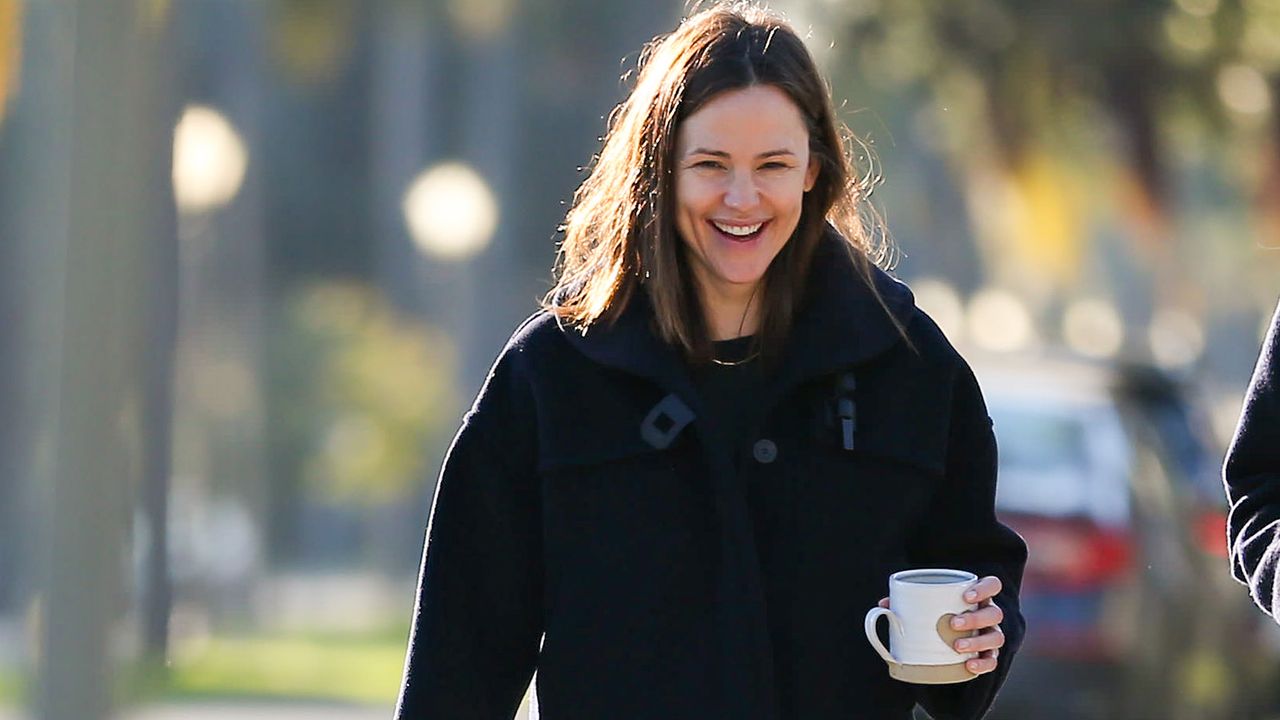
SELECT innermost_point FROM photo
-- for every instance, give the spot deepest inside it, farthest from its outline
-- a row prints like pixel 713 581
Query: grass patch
pixel 343 668
pixel 12 689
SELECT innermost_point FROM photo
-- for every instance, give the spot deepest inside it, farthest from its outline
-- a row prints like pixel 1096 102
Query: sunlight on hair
pixel 209 160
pixel 999 321
pixel 941 302
pixel 1176 338
pixel 1093 328
pixel 451 212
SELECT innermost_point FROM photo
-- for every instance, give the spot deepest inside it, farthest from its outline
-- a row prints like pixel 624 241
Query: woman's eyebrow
pixel 723 154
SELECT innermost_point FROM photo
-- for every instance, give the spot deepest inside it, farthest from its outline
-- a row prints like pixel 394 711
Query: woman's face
pixel 742 168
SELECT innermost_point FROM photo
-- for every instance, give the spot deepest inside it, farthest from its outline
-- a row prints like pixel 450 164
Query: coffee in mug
pixel 921 639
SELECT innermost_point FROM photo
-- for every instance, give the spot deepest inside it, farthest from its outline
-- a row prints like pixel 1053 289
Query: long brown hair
pixel 620 232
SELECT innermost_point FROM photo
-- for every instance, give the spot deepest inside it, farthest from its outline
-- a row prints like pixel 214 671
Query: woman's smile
pixel 739 232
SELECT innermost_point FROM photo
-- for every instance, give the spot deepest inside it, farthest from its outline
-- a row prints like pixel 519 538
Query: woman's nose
pixel 741 193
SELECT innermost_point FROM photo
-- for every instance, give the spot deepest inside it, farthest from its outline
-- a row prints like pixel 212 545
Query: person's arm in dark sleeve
pixel 1251 475
pixel 478 616
pixel 961 531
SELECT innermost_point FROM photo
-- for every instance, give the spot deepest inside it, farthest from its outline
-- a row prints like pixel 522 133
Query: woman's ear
pixel 811 173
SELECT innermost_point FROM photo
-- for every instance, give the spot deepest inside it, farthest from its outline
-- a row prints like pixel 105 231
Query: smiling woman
pixel 738 84
pixel 743 167
pixel 691 474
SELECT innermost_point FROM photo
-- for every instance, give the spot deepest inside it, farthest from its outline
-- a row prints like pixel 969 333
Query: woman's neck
pixel 731 315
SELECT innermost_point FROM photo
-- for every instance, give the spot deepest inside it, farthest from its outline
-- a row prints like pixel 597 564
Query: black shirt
pixel 731 395
pixel 732 398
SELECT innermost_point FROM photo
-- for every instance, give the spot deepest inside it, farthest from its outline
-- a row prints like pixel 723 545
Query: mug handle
pixel 869 626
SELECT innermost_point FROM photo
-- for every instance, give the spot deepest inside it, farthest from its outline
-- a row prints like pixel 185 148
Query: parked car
pixel 1111 476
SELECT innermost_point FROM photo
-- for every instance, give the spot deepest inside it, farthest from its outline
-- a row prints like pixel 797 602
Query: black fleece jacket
pixel 587 526
pixel 1252 478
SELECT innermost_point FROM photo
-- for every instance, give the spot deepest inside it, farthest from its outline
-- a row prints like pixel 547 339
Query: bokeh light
pixel 1199 8
pixel 1093 328
pixel 1176 338
pixel 942 303
pixel 481 20
pixel 1189 35
pixel 999 321
pixel 450 211
pixel 209 160
pixel 1244 90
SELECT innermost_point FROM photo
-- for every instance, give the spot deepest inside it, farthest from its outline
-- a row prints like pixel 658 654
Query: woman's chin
pixel 744 280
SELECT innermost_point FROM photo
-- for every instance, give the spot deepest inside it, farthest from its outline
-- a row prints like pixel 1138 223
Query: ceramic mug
pixel 921 639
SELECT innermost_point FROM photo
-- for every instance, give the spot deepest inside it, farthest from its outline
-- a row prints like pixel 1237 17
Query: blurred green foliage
pixel 12 688
pixel 1039 63
pixel 361 393
pixel 1081 132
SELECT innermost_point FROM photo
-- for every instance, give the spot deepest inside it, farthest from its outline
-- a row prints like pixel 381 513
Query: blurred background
pixel 257 255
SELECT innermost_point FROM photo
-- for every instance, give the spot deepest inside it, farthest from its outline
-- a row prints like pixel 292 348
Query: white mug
pixel 921 639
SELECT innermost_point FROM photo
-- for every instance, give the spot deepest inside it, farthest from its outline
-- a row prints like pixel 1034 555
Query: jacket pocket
pixel 628 526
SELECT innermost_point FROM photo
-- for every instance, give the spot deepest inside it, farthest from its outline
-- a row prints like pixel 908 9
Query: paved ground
pixel 242 711
pixel 260 711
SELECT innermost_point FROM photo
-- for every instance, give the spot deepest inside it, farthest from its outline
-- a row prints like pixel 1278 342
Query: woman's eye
pixel 774 166
pixel 712 164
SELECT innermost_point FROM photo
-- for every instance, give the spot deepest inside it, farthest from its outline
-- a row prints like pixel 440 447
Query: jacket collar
pixel 840 323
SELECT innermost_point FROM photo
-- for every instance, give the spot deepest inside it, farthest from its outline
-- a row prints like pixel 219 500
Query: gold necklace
pixel 743 321
pixel 735 363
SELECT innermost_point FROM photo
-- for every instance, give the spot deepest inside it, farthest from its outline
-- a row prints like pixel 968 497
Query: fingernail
pixel 957 623
pixel 973 665
pixel 962 645
pixel 971 595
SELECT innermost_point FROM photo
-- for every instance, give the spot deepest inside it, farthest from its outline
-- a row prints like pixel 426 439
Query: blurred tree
pixel 12 423
pixel 159 282
pixel 315 134
pixel 118 210
pixel 219 430
pixel 1057 116
pixel 362 397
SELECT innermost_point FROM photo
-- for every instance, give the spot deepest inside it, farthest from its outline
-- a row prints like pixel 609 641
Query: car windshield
pixel 1061 460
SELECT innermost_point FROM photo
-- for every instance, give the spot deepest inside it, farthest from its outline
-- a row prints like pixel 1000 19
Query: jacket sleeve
pixel 962 531
pixel 1251 475
pixel 478 614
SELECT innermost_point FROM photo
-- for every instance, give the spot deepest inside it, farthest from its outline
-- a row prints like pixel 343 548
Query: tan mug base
pixel 931 674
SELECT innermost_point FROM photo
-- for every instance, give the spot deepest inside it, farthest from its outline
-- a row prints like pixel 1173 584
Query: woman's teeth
pixel 738 230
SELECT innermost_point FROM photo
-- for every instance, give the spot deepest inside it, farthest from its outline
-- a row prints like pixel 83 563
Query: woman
pixel 1252 477
pixel 688 478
